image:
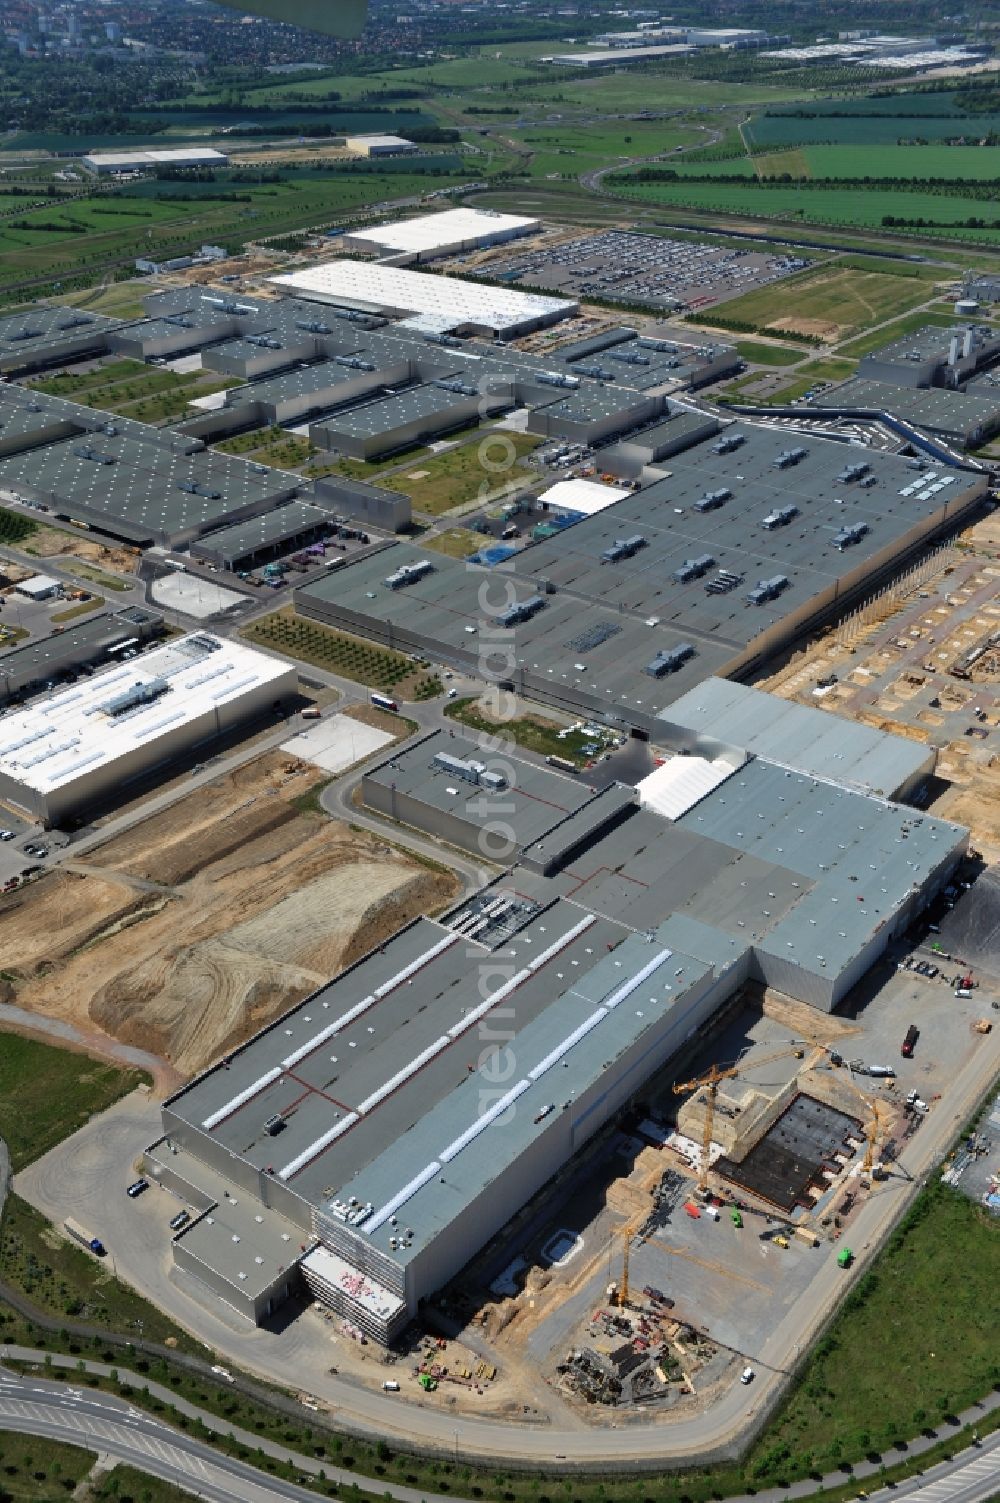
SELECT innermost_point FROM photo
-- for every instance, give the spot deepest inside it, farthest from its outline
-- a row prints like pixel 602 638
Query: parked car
pixel 6 834
pixel 747 1375
pixel 136 1188
pixel 906 1047
pixel 181 1219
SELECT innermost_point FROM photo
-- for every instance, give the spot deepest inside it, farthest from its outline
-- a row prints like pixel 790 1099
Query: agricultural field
pixel 869 121
pixel 943 214
pixel 571 149
pixel 906 163
pixel 79 238
pixel 767 354
pixel 830 302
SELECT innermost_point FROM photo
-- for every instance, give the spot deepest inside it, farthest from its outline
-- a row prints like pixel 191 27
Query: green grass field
pixel 767 354
pixel 533 731
pixel 37 1470
pixel 831 301
pixel 843 207
pixel 912 163
pixel 461 475
pixel 47 1093
pixel 773 130
pixel 910 1346
pixel 311 642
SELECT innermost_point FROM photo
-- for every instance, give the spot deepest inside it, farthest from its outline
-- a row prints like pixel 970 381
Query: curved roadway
pixel 111 1425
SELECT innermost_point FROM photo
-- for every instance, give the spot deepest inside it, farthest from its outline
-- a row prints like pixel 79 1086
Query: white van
pixel 390 1386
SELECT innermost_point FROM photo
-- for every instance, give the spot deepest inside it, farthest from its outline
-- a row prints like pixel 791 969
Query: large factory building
pixel 375 1137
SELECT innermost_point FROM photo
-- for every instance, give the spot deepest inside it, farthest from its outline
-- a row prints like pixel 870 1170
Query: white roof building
pixel 587 497
pixel 436 303
pixel 89 739
pixel 38 587
pixel 142 161
pixel 441 234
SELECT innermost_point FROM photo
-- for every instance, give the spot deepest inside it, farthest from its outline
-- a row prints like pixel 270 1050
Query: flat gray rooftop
pixel 243 538
pixel 370 1053
pixel 571 646
pixel 929 407
pixel 140 489
pixel 387 414
pixel 807 739
pixel 27 333
pixel 534 800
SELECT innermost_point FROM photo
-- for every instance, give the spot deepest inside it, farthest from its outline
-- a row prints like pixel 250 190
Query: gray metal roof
pixel 144 490
pixel 809 740
pixel 29 332
pixel 387 414
pixel 953 412
pixel 243 538
pixel 533 800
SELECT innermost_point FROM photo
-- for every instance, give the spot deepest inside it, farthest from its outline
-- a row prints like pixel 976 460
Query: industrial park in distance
pixel 499 753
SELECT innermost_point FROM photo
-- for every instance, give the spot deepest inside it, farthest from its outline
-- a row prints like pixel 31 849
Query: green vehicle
pixel 735 1217
pixel 845 1257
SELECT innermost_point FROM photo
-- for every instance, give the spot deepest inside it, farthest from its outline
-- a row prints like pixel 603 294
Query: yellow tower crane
pixel 619 1293
pixel 710 1082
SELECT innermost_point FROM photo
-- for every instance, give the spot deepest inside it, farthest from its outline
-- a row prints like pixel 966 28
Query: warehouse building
pixel 748 541
pixel 413 416
pixel 80 646
pixel 262 354
pixel 52 336
pixel 389 511
pixel 259 539
pixel 720 719
pixel 594 414
pixel 381 146
pixel 86 743
pixel 106 163
pixel 933 357
pixel 357 1123
pixel 429 236
pixel 439 304
pixel 966 418
pixel 142 491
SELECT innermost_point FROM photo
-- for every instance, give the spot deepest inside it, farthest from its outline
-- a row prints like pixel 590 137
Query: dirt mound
pixel 260 904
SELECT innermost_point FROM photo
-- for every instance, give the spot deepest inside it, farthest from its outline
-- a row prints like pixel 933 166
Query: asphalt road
pixel 111 1425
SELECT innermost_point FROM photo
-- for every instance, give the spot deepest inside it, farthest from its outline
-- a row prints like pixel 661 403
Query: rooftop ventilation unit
pixel 470 771
pixel 723 582
pixel 21 334
pixel 353 362
pixel 521 610
pixel 780 517
pixel 629 357
pixel 623 548
pixel 852 472
pixel 662 345
pixel 264 341
pixel 226 305
pixel 178 319
pixel 460 388
pixel 194 489
pixel 556 378
pixel 788 457
pixel 670 660
pixel 693 568
pixel 84 451
pixel 712 500
pixel 77 321
pixel 408 574
pixel 448 340
pixel 847 536
pixel 131 699
pixel 730 442
pixel 596 372
pixel 767 589
pixel 312 326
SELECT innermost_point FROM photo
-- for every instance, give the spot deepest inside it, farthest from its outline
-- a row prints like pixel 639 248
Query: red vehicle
pixel 906 1047
pixel 692 1210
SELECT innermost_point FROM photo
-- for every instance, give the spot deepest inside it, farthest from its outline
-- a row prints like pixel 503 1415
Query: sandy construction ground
pixel 202 923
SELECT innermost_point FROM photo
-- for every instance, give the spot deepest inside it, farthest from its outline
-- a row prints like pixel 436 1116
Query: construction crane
pixel 619 1294
pixel 710 1081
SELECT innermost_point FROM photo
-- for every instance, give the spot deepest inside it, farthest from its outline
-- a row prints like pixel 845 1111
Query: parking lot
pixel 679 275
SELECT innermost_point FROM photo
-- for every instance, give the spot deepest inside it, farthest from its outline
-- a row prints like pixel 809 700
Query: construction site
pixel 922 660
pixel 649 1274
pixel 203 921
